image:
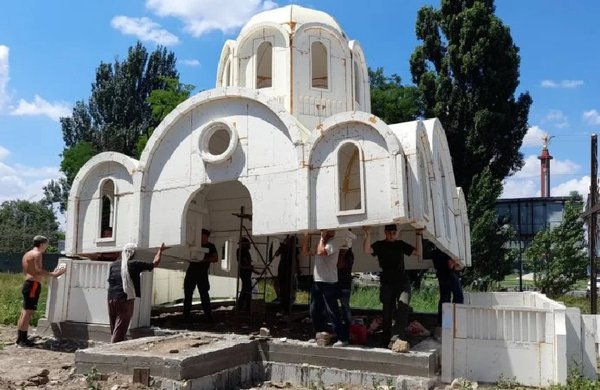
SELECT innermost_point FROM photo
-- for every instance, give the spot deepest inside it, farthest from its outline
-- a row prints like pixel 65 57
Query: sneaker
pixel 341 343
pixel 25 343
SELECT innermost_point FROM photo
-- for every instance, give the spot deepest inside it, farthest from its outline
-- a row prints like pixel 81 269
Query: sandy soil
pixel 49 365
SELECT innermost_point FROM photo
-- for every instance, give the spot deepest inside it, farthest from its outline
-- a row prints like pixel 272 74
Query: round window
pixel 217 142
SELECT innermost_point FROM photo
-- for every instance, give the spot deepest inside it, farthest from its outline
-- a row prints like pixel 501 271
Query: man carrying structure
pixel 197 276
pixel 124 285
pixel 344 283
pixel 33 271
pixel 448 279
pixel 324 295
pixel 394 292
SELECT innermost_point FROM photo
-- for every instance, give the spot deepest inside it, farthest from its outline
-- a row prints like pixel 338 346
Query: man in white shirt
pixel 324 290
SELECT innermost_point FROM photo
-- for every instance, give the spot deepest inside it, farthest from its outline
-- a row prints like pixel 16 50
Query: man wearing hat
pixel 197 276
pixel 394 292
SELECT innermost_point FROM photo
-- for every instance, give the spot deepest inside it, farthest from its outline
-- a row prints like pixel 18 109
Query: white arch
pixel 358 58
pixel 130 165
pixel 393 146
pixel 225 59
pixel 297 131
pixel 441 156
pixel 463 229
pixel 386 162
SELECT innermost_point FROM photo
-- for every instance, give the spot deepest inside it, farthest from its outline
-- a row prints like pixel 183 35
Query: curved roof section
pixel 292 13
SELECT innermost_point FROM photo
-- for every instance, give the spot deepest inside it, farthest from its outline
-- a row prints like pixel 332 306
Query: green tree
pixel 162 102
pixel 492 259
pixel 21 220
pixel 467 69
pixel 391 101
pixel 117 113
pixel 558 256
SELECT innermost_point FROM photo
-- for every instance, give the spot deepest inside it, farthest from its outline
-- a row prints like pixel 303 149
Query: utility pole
pixel 592 224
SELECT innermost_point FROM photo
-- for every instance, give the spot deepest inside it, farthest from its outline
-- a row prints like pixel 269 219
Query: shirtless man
pixel 32 268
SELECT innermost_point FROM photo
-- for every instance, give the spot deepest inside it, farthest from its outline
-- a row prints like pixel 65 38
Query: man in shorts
pixel 33 271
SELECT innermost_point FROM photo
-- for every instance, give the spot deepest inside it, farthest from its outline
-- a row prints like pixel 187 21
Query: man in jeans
pixel 344 283
pixel 324 292
pixel 394 292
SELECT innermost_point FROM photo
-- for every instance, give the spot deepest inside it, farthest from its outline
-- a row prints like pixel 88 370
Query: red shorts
pixel 31 294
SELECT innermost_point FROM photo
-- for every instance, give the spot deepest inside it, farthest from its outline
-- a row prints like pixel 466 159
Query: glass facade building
pixel 527 216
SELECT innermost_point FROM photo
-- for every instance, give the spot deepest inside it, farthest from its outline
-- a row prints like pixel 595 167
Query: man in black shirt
pixel 394 292
pixel 124 287
pixel 197 276
pixel 448 279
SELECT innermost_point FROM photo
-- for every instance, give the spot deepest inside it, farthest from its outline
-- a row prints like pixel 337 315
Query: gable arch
pixel 446 225
pixel 246 55
pixel 130 164
pixel 391 141
pixel 297 132
pixel 463 229
pixel 361 90
pixel 84 208
pixel 226 65
pixel 381 161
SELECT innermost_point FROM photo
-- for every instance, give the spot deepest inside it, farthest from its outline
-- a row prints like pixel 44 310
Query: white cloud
pixel 203 16
pixel 24 182
pixel 591 117
pixel 514 188
pixel 558 118
pixel 581 185
pixel 3 152
pixel 526 182
pixel 561 83
pixel 4 98
pixel 534 136
pixel 40 106
pixel 192 63
pixel 531 169
pixel 144 29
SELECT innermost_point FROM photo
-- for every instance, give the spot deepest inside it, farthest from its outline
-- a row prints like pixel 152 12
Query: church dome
pixel 292 13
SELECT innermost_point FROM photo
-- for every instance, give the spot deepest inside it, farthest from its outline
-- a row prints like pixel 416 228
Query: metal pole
pixel 237 256
pixel 592 225
pixel 520 237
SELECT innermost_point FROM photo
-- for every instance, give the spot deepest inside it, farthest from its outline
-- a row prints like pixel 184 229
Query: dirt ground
pixel 50 364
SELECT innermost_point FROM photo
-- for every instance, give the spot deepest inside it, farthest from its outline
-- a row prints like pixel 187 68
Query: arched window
pixel 226 74
pixel 319 61
pixel 350 178
pixel 424 179
pixel 264 65
pixel 107 209
pixel 357 85
pixel 445 208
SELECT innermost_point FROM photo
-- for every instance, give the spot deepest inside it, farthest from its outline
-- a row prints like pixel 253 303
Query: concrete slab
pixel 212 360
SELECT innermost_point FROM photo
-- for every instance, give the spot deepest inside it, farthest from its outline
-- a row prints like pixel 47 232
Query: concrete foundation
pixel 200 360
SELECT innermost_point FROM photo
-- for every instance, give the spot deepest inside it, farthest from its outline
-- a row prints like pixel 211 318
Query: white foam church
pixel 287 134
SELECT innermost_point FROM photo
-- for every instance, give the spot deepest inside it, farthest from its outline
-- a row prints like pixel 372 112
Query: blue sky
pixel 49 51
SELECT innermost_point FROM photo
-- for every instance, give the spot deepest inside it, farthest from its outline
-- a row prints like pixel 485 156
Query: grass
pixel 582 303
pixel 423 300
pixel 11 299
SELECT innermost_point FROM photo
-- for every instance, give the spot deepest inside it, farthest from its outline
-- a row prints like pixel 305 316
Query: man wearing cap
pixel 197 276
pixel 32 286
pixel 394 292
